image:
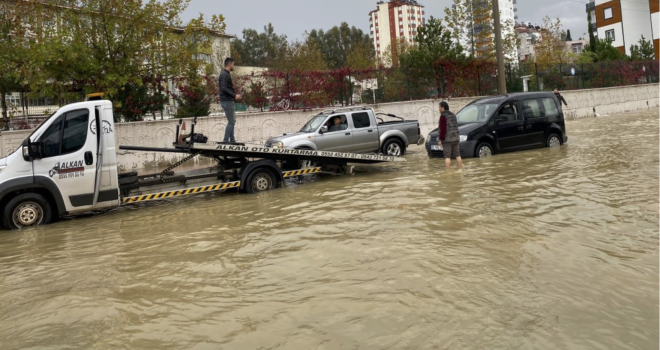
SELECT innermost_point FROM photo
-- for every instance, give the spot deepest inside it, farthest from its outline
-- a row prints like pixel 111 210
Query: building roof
pixel 214 32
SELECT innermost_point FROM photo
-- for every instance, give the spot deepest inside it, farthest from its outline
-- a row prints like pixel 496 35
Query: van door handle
pixel 348 133
pixel 89 158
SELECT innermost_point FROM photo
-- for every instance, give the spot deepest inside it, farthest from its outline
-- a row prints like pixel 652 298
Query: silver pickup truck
pixel 354 130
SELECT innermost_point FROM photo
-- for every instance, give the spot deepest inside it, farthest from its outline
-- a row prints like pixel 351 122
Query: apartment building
pixel 507 21
pixel 528 34
pixel 625 21
pixel 393 22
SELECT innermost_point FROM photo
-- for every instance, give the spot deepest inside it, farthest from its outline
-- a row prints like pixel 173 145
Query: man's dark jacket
pixel 448 128
pixel 227 93
pixel 561 99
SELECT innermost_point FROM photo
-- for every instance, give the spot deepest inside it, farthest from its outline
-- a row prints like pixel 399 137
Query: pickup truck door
pixel 69 157
pixel 336 140
pixel 365 133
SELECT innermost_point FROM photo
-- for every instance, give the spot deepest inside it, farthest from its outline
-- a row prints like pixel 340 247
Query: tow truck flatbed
pixel 216 149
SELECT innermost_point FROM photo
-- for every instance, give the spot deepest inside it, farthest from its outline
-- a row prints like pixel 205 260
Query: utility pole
pixel 501 78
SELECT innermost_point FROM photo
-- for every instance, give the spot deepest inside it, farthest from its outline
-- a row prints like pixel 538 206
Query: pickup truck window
pixel 361 120
pixel 333 125
pixel 313 124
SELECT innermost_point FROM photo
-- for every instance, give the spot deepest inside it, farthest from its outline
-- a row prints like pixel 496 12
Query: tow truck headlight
pixel 277 145
pixel 462 138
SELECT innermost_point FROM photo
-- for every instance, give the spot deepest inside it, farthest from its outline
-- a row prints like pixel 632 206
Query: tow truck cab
pixel 67 165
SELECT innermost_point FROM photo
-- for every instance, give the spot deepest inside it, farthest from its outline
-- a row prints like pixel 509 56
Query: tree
pixel 193 99
pixel 96 50
pixel 260 49
pixel 551 49
pixel 568 35
pixel 303 56
pixel 642 52
pixel 605 52
pixel 592 37
pixel 434 45
pixel 340 42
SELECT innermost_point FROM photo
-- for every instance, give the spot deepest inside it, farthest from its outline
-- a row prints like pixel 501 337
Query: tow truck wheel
pixel 393 147
pixel 261 180
pixel 27 209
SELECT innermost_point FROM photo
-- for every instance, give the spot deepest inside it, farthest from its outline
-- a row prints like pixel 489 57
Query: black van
pixel 507 123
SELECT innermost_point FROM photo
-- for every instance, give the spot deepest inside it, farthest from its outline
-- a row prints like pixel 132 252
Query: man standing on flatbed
pixel 227 99
pixel 448 136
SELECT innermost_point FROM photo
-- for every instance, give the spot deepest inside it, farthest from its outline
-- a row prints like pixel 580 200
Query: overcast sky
pixel 294 17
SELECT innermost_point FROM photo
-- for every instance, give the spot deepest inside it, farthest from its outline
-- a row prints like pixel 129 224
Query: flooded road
pixel 543 249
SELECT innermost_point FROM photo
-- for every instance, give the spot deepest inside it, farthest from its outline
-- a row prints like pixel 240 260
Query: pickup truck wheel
pixel 27 209
pixel 261 180
pixel 393 147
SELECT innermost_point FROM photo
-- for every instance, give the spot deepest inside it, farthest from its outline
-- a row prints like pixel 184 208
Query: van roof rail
pixel 354 108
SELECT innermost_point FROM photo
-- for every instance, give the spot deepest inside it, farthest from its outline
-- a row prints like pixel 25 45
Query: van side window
pixel 361 120
pixel 51 139
pixel 75 131
pixel 533 108
pixel 66 135
pixel 508 111
pixel 550 107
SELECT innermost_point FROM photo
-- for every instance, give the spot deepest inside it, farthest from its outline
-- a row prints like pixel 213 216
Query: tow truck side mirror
pixel 323 130
pixel 31 150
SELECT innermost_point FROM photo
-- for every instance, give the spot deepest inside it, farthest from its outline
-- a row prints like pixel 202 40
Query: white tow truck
pixel 68 165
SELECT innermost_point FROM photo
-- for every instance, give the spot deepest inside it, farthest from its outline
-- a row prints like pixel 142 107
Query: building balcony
pixel 591 6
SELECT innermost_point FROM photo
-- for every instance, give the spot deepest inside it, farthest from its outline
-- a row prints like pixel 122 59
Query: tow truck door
pixel 69 156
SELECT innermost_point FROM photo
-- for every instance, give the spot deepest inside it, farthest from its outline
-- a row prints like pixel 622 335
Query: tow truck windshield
pixel 313 124
pixel 476 113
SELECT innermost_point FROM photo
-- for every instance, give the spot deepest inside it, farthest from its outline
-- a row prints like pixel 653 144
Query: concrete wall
pixel 255 128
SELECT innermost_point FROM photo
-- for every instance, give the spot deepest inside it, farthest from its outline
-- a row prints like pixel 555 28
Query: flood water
pixel 543 249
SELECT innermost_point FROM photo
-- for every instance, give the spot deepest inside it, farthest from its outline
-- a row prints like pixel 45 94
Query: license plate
pixel 436 148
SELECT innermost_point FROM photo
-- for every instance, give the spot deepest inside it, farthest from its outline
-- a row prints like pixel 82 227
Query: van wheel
pixel 484 149
pixel 553 141
pixel 261 180
pixel 27 209
pixel 393 147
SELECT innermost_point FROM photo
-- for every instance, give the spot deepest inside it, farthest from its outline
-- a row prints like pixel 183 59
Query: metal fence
pixel 577 76
pixel 28 110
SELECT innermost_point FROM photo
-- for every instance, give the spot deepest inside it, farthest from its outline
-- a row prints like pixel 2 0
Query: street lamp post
pixel 501 79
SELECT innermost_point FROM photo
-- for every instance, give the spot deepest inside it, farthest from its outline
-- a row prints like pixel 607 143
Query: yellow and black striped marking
pixel 301 172
pixel 177 193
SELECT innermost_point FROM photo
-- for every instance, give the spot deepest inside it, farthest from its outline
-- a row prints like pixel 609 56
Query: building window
pixel 608 13
pixel 609 35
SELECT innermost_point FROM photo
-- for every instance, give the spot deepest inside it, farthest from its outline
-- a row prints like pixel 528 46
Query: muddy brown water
pixel 543 249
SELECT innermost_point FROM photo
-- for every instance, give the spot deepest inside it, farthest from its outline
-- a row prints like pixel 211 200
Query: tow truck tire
pixel 261 180
pixel 393 147
pixel 27 209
